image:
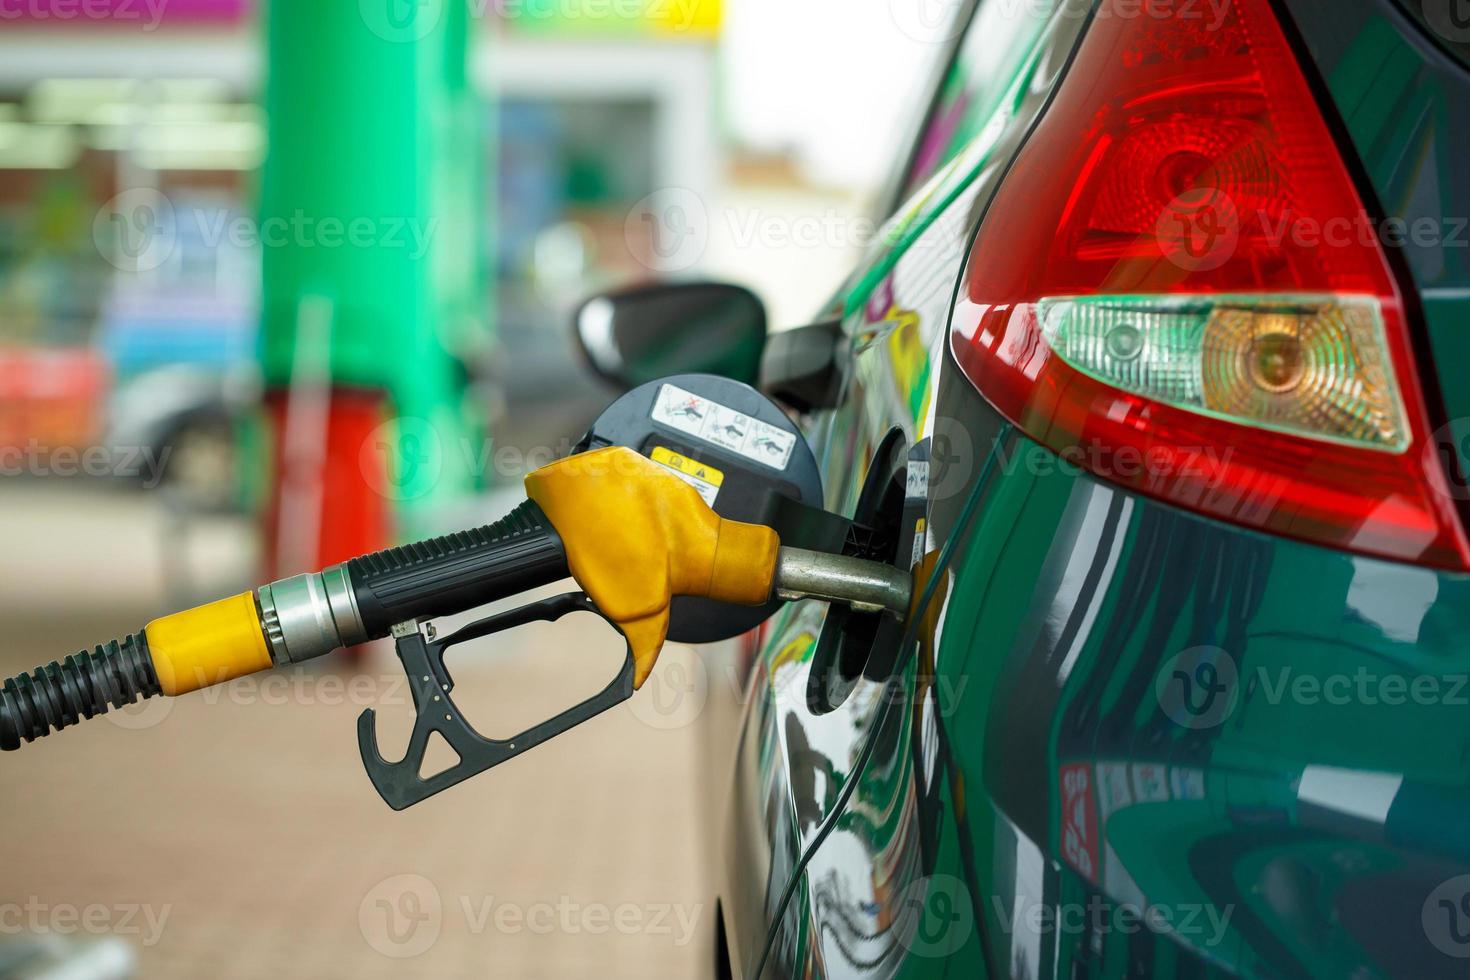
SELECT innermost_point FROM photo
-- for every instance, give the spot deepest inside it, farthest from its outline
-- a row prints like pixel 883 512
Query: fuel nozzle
pixel 632 534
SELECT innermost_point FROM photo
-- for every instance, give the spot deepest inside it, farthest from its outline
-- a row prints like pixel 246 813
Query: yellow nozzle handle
pixel 636 536
pixel 208 645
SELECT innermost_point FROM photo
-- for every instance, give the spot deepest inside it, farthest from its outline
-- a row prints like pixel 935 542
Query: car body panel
pixel 789 762
pixel 1029 53
pixel 1403 103
pixel 1270 820
pixel 1132 742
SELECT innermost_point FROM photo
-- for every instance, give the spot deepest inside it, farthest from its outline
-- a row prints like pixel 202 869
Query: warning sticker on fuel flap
pixel 916 484
pixel 724 427
pixel 701 476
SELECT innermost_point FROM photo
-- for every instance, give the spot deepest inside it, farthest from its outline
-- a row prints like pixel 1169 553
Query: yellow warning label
pixel 921 538
pixel 689 467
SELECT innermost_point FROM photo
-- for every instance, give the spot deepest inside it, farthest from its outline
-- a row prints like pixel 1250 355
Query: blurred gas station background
pixel 282 284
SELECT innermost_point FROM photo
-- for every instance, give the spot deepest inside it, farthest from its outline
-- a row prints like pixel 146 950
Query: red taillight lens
pixel 1178 287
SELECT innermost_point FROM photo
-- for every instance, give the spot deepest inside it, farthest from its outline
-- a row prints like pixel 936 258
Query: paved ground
pixel 233 833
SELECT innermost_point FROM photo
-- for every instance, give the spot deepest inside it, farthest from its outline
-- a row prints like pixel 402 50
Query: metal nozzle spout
pixel 866 586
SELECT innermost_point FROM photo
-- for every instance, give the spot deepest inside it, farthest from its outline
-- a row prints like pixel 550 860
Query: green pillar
pixel 370 205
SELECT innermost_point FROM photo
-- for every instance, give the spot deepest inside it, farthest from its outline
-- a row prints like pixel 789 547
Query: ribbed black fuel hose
pixel 83 686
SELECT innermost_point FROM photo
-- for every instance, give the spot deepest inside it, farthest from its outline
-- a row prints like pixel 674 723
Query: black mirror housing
pixel 803 367
pixel 637 335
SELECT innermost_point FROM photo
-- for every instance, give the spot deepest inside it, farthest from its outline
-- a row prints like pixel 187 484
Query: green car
pixel 1152 376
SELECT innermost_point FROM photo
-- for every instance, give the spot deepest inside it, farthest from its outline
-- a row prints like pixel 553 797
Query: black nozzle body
pixel 451 574
pixel 64 693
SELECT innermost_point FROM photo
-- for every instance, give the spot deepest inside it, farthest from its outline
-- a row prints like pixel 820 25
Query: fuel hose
pixel 289 621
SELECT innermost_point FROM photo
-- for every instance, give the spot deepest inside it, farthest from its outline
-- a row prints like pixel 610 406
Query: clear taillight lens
pixel 1314 366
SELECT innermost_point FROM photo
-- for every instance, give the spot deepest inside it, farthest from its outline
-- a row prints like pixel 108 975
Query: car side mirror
pixel 634 336
pixel 806 367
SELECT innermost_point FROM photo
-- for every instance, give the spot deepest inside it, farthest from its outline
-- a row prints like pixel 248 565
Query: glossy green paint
pixel 989 599
pixel 1299 624
pixel 972 146
pixel 1403 109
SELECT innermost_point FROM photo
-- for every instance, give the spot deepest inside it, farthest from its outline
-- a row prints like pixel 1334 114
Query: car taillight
pixel 1178 288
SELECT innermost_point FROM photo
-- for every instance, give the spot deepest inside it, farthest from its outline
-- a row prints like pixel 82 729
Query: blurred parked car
pixel 186 385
